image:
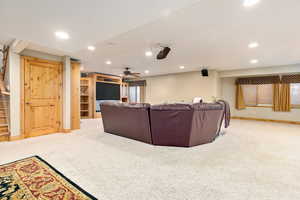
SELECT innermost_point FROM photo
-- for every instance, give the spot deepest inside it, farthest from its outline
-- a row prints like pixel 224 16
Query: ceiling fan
pixel 127 74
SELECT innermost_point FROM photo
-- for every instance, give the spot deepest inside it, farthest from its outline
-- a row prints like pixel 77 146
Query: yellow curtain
pixel 276 97
pixel 142 94
pixel 281 97
pixel 285 98
pixel 239 103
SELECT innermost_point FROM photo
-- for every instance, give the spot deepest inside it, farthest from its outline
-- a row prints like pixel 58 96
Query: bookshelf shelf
pixel 86 98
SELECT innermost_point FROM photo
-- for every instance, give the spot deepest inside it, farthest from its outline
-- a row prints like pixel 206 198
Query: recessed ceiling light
pixel 254 61
pixel 146 71
pixel 81 68
pixel 148 53
pixel 181 67
pixel 253 45
pixel 91 48
pixel 250 3
pixel 108 62
pixel 62 35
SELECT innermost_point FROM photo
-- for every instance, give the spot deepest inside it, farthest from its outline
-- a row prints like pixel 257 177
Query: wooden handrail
pixel 5 93
pixel 3 89
pixel 5 52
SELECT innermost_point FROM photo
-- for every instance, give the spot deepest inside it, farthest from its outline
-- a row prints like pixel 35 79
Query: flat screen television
pixel 107 91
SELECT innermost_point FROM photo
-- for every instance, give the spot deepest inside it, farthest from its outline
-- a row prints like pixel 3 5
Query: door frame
pixel 75 95
pixel 24 60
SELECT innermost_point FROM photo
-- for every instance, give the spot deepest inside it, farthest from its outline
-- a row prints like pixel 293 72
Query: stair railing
pixel 4 92
pixel 5 52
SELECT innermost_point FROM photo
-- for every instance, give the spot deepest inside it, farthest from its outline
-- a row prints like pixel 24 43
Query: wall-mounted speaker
pixel 163 53
pixel 204 72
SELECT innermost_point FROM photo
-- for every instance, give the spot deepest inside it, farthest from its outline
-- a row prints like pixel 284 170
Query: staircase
pixel 4 123
pixel 4 97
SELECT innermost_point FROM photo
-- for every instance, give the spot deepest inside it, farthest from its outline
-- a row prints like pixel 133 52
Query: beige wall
pixel 41 55
pixel 182 87
pixel 228 94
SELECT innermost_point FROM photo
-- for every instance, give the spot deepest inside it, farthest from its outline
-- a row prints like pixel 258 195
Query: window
pixel 295 94
pixel 265 94
pixel 250 92
pixel 258 95
pixel 134 94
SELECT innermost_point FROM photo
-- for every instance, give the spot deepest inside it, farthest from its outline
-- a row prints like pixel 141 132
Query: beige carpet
pixel 253 161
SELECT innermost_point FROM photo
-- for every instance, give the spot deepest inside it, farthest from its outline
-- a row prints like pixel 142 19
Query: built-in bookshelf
pixel 102 78
pixel 124 92
pixel 86 96
pixel 88 93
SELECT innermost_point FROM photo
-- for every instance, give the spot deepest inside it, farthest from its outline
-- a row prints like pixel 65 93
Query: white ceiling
pixel 209 33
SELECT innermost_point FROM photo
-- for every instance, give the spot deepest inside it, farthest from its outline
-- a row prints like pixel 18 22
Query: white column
pixel 67 93
pixel 14 72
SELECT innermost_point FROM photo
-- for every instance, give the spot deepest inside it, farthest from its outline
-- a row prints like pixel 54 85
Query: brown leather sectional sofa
pixel 181 125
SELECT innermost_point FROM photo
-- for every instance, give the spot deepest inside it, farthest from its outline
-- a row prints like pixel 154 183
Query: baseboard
pixel 21 137
pixel 65 130
pixel 4 138
pixel 15 138
pixel 266 120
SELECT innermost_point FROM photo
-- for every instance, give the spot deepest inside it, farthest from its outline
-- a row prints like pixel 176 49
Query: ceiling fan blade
pixel 135 75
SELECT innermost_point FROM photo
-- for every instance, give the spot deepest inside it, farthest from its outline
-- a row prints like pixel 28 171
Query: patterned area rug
pixel 34 179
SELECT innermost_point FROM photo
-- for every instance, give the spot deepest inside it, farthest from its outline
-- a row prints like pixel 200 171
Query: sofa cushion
pixel 170 107
pixel 127 105
pixel 207 106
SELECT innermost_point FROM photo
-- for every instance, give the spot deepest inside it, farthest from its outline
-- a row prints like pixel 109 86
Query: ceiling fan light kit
pixel 128 74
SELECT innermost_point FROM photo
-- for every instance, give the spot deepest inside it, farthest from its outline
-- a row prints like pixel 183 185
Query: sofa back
pixel 171 124
pixel 184 124
pixel 127 120
pixel 206 123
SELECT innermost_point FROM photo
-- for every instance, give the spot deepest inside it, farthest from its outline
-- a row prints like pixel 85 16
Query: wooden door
pixel 75 96
pixel 42 96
